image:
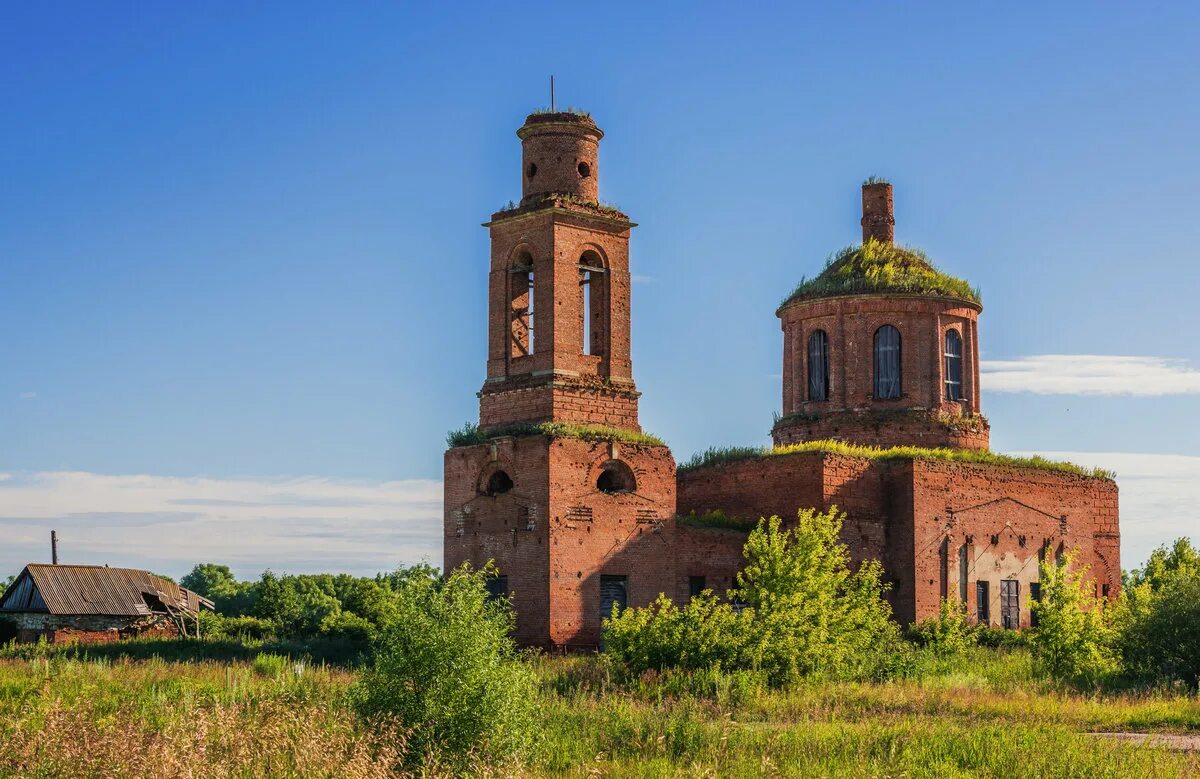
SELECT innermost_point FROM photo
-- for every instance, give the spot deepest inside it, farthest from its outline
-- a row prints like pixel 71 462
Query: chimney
pixel 54 547
pixel 877 219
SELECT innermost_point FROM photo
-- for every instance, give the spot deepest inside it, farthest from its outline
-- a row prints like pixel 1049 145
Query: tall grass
pixel 983 714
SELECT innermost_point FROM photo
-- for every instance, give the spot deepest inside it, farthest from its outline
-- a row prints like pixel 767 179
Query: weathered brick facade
pixel 570 522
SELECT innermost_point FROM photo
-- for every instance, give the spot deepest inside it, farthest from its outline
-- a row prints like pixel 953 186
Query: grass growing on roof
pixel 717 455
pixel 716 519
pixel 470 433
pixel 877 266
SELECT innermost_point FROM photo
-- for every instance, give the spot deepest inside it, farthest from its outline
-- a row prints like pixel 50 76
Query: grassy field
pixel 71 715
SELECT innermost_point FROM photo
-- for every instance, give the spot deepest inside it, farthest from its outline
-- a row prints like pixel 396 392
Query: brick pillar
pixel 878 221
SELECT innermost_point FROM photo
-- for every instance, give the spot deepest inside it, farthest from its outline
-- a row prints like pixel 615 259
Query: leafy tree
pixel 447 669
pixel 812 614
pixel 805 612
pixel 1158 618
pixel 1073 640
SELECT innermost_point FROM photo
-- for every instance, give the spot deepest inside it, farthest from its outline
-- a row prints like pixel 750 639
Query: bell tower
pixel 578 517
pixel 558 291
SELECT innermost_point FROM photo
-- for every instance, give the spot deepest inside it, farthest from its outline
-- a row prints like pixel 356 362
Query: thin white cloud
pixel 1090 374
pixel 169 523
pixel 636 279
pixel 28 396
pixel 1159 494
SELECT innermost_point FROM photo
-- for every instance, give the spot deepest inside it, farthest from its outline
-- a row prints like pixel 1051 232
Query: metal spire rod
pixel 551 94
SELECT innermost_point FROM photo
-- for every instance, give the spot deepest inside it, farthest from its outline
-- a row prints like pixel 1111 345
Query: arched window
pixel 818 366
pixel 498 484
pixel 953 365
pixel 593 284
pixel 521 312
pixel 616 477
pixel 887 363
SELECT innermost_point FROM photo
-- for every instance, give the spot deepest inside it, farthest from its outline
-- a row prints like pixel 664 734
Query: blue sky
pixel 241 263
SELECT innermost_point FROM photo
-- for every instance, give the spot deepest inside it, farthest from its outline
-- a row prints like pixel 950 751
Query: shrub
pixel 812 615
pixel 447 670
pixel 804 613
pixel 1073 639
pixel 214 625
pixel 702 634
pixel 470 434
pixel 1158 617
pixel 948 633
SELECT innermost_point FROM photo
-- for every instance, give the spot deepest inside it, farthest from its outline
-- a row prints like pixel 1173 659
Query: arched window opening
pixel 593 286
pixel 818 366
pixel 531 171
pixel 585 170
pixel 498 484
pixel 887 363
pixel 616 478
pixel 521 313
pixel 953 365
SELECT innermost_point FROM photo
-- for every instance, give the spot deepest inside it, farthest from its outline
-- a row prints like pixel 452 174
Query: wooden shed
pixel 95 603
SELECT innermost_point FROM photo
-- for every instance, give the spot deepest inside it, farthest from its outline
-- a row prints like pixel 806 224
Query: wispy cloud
pixel 1160 497
pixel 28 396
pixel 636 279
pixel 1090 374
pixel 170 523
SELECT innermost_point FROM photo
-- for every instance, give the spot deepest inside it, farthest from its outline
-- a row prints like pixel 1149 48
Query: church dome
pixel 876 267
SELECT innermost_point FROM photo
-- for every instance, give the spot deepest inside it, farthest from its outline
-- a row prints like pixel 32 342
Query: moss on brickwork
pixel 877 267
pixel 470 434
pixel 718 455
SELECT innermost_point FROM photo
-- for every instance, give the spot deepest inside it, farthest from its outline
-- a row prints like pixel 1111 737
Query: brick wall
pixel 555 533
pixel 916 517
pixel 31 627
pixel 874 428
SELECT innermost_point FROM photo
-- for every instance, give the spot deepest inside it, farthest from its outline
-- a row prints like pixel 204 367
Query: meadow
pixel 170 709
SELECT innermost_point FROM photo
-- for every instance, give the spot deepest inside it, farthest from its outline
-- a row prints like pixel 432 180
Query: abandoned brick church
pixel 581 510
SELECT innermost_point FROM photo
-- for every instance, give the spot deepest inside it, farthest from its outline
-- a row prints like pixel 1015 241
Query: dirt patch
pixel 1177 741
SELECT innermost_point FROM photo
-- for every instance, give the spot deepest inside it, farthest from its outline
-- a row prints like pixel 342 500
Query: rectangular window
pixel 614 591
pixel 953 365
pixel 1104 591
pixel 695 585
pixel 1010 604
pixel 982 599
pixel 497 587
pixel 1035 594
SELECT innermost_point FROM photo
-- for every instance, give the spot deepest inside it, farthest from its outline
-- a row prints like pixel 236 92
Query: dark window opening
pixel 982 602
pixel 531 171
pixel 1104 591
pixel 498 484
pixel 695 586
pixel 616 478
pixel 887 363
pixel 1035 595
pixel 953 365
pixel 497 587
pixel 818 366
pixel 614 594
pixel 585 170
pixel 1010 604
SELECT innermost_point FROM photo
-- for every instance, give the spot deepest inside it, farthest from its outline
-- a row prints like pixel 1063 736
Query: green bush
pixel 213 625
pixel 1073 640
pixel 1158 618
pixel 803 612
pixel 948 633
pixel 447 670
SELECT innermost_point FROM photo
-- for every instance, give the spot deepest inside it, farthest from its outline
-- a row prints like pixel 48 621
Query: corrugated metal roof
pixel 98 589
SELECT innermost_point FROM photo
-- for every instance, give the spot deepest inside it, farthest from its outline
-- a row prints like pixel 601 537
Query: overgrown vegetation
pixel 717 520
pixel 470 434
pixel 447 671
pixel 801 613
pixel 878 267
pixel 1073 640
pixel 446 695
pixel 717 455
